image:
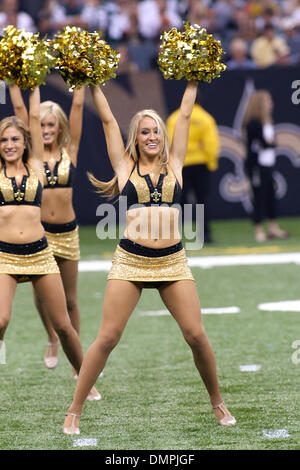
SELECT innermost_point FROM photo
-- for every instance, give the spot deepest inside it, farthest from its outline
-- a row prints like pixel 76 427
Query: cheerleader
pixel 149 174
pixel 61 138
pixel 24 251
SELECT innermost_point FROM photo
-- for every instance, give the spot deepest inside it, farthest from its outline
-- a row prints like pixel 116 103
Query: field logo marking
pixel 85 442
pixel 276 433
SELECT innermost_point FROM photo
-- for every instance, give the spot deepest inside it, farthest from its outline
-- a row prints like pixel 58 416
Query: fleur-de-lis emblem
pixel 155 195
pixel 19 196
pixel 52 179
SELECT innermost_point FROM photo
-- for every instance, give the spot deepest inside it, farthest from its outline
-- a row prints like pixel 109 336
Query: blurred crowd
pixel 254 34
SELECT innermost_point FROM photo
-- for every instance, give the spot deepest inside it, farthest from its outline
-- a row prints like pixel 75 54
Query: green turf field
pixel 153 397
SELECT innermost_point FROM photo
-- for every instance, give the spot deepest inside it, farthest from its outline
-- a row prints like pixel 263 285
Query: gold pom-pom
pixel 191 54
pixel 25 59
pixel 84 58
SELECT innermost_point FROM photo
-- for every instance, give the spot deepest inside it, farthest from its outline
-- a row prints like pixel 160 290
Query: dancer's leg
pixel 182 301
pixel 49 290
pixel 120 300
pixel 7 291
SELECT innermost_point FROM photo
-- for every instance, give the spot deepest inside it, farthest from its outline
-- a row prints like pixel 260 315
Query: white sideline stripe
pixel 220 311
pixel 211 261
pixel 89 266
pixel 154 313
pixel 205 311
pixel 250 368
pixel 237 260
pixel 283 306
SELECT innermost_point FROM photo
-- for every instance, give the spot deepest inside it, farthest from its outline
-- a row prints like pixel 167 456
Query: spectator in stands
pixel 155 16
pixel 292 37
pixel 45 18
pixel 169 16
pixel 53 16
pixel 68 12
pixel 32 8
pixel 126 65
pixel 10 15
pixel 243 24
pixel 199 13
pixel 95 15
pixel 122 24
pixel 269 15
pixel 296 13
pixel 239 55
pixel 224 12
pixel 270 49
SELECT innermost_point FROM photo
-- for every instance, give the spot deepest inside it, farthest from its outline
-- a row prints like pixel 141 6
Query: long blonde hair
pixel 50 107
pixel 256 108
pixel 13 121
pixel 111 188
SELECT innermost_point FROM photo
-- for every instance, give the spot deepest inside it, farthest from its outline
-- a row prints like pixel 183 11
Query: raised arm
pixel 35 127
pixel 113 137
pixel 182 126
pixel 20 110
pixel 75 122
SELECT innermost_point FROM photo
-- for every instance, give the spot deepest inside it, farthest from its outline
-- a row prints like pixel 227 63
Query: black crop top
pixel 63 173
pixel 139 189
pixel 255 139
pixel 28 193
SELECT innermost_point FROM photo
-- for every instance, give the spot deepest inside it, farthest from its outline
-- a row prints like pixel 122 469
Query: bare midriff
pixel 20 224
pixel 153 227
pixel 57 205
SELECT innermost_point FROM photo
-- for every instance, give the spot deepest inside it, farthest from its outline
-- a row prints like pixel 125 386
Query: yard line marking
pixel 276 433
pixel 220 311
pixel 250 368
pixel 283 306
pixel 2 352
pixel 90 266
pixel 210 261
pixel 239 260
pixel 85 442
pixel 154 313
pixel 205 311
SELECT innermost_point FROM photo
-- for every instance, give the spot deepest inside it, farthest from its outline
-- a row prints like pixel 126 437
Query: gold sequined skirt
pixel 151 268
pixel 25 261
pixel 63 239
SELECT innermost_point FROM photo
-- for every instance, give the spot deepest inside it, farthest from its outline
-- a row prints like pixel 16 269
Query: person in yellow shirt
pixel 201 159
pixel 270 49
